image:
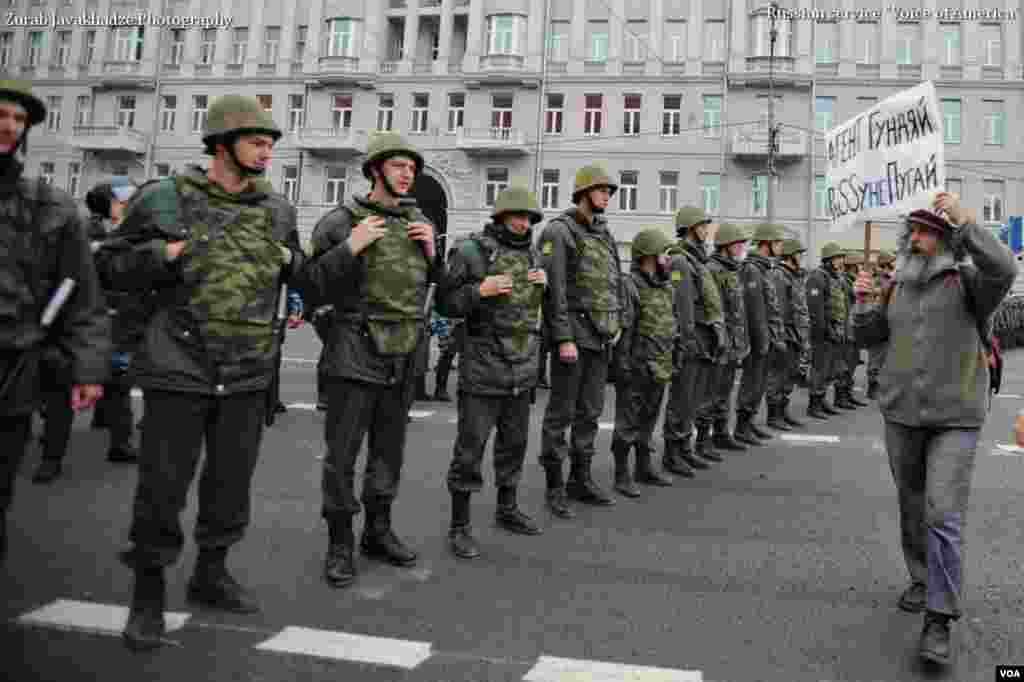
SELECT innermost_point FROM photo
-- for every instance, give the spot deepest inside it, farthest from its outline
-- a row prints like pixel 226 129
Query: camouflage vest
pixel 657 323
pixel 594 290
pixel 735 312
pixel 710 310
pixel 837 299
pixel 395 270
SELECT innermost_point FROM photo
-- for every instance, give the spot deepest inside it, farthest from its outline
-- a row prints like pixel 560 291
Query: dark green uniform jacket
pixel 129 310
pixel 646 352
pixel 826 304
pixel 698 300
pixel 764 319
pixel 791 290
pixel 727 274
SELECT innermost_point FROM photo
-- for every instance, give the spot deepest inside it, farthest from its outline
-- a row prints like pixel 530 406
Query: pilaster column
pixel 314 41
pixel 578 37
pixel 444 37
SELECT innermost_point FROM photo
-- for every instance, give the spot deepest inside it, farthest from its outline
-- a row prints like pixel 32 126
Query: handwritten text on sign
pixel 887 160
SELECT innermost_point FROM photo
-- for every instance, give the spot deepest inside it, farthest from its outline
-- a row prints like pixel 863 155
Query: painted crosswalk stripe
pixel 1008 450
pixel 299 361
pixel 105 619
pixel 301 406
pixel 550 669
pixel 808 438
pixel 1012 396
pixel 342 646
pixel 606 426
pixel 136 392
pixel 420 414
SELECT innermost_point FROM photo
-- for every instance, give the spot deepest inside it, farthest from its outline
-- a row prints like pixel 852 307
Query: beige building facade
pixel 672 95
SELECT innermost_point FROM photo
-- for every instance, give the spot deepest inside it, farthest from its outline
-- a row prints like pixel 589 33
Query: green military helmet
pixel 791 247
pixel 885 257
pixel 590 177
pixel 383 146
pixel 854 257
pixel 21 92
pixel 768 232
pixel 517 199
pixel 728 233
pixel 689 217
pixel 237 115
pixel 651 241
pixel 831 250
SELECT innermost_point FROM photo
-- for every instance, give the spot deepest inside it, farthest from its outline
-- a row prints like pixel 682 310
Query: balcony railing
pixel 331 64
pixel 329 140
pixel 791 144
pixel 502 62
pixel 109 138
pixel 491 140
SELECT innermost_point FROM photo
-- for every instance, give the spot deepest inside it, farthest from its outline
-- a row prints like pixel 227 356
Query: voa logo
pixel 1010 675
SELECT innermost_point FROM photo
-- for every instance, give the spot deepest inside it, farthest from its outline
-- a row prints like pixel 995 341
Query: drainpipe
pixel 812 139
pixel 539 156
pixel 157 81
pixel 723 155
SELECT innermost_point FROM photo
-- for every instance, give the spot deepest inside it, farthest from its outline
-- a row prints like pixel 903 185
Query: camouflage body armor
pixel 838 305
pixel 594 291
pixel 656 325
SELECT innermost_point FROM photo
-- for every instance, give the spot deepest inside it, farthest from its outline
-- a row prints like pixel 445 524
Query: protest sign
pixel 885 161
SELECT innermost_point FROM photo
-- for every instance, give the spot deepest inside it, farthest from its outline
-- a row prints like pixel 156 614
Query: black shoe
pixel 845 404
pixel 462 543
pixel 743 435
pixel 914 598
pixel 122 454
pixel 828 409
pixel 442 397
pixel 699 460
pixel 321 406
pixel 584 489
pixel 558 503
pixel 791 420
pixel 935 637
pixel 856 401
pixel 645 471
pixel 387 547
pixel 145 628
pixel 340 565
pixel 515 521
pixel 48 471
pixel 212 586
pixel 280 408
pixel 758 432
pixel 725 441
pixel 816 409
pixel 776 420
pixel 625 486
pixel 673 463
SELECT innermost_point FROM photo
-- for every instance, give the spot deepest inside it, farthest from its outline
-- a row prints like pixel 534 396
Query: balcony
pixel 951 73
pixel 124 75
pixel 909 71
pixel 792 145
pixel 759 71
pixel 109 139
pixel 991 73
pixel 333 142
pixel 334 70
pixel 502 62
pixel 491 140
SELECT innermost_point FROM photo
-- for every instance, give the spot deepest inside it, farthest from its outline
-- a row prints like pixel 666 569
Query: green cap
pixel 791 247
pixel 517 199
pixel 21 92
pixel 728 233
pixel 591 177
pixel 768 232
pixel 831 250
pixel 383 146
pixel 237 115
pixel 689 217
pixel 651 241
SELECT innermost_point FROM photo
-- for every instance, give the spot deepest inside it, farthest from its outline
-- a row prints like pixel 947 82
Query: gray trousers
pixel 691 393
pixel 478 416
pixel 753 383
pixel 576 399
pixel 637 405
pixel 932 469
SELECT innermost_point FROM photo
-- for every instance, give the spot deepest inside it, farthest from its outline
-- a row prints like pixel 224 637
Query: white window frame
pixel 554 116
pixel 549 188
pixel 715 43
pixel 271 44
pixel 711 194
pixel 62 55
pixel 994 45
pixel 208 46
pixel 628 190
pixel 200 110
pixel 631 115
pixel 759 195
pixel 712 117
pixel 456 112
pixel 296 111
pixel 54 104
pixel 951 44
pixel 905 53
pixel 125 116
pixel 89 47
pixel 671 118
pixel 992 202
pixel 505 34
pixel 420 114
pixel 168 114
pixel 239 45
pixel 501 118
pixel 83 110
pixel 668 193
pixel 341 114
pixel 74 182
pixel 290 183
pixel 995 127
pixel 385 113
pixel 492 188
pixel 334 187
pixel 47 172
pixel 556 46
pixel 301 38
pixel 952 121
pixel 598 48
pixel 341 37
pixel 593 119
pixel 34 48
pixel 176 48
pixel 128 43
pixel 635 42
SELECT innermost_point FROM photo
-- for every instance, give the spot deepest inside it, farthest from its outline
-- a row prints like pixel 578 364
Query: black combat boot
pixel 211 585
pixel 704 444
pixel 743 433
pixel 421 388
pixel 935 638
pixel 623 479
pixel 873 389
pixel 145 627
pixel 723 440
pixel 645 472
pixel 460 535
pixel 788 417
pixel 582 487
pixel 555 496
pixel 827 408
pixel 698 459
pixel 757 431
pixel 776 420
pixel 841 400
pixel 816 408
pixel 854 400
pixel 671 461
pixel 48 471
pixel 380 542
pixel 444 368
pixel 340 562
pixel 510 517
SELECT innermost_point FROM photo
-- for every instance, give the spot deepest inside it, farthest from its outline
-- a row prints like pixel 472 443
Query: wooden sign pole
pixel 867 243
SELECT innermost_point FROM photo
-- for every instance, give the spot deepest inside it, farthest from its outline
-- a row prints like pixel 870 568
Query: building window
pixel 296 111
pixel 83 107
pixel 824 111
pixel 631 119
pixel 672 115
pixel 385 112
pixel 46 172
pixel 549 189
pixel 420 108
pixel 126 111
pixel 36 44
pixel 290 188
pixel 456 111
pixel 714 37
pixel 162 170
pixel 505 34
pixel 501 114
pixel 597 41
pixel 266 103
pixel 63 53
pixel 820 196
pixel 668 191
pixel 176 50
pixel 951 44
pixel 300 43
pixel 271 44
pixel 675 41
pixel 199 104
pixel 993 212
pixel 592 109
pixel 208 46
pixel 497 181
pixel 995 123
pixel 712 115
pixel 951 111
pixel 168 112
pixel 239 46
pixel 627 190
pixel 761 25
pixel 89 48
pixel 907 37
pixel 74 178
pixel 342 37
pixel 53 105
pixel 558 41
pixel 867 43
pixel 334 188
pixel 759 196
pixel 955 186
pixel 341 112
pixel 554 114
pixel 992 43
pixel 6 49
pixel 710 192
pixel 435 45
pixel 826 40
pixel 636 41
pixel 128 43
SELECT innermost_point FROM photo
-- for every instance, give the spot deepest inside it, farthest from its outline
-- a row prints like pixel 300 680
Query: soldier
pixel 935 395
pixel 496 284
pixel 373 259
pixel 826 305
pixel 853 264
pixel 583 315
pixel 41 228
pixel 764 324
pixel 882 280
pixel 790 283
pixel 216 244
pixel 701 339
pixel 731 244
pixel 645 360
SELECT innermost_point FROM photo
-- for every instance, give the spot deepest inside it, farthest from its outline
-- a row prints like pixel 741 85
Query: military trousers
pixel 851 359
pixel 358 411
pixel 725 381
pixel 754 382
pixel 782 376
pixel 576 400
pixel 876 356
pixel 637 406
pixel 58 419
pixel 479 415
pixel 691 391
pixel 178 425
pixel 932 469
pixel 15 432
pixel 826 362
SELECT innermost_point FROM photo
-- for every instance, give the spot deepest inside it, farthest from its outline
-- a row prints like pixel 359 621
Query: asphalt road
pixel 780 564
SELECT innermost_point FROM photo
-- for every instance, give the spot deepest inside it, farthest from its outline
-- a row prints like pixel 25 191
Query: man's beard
pixel 918 268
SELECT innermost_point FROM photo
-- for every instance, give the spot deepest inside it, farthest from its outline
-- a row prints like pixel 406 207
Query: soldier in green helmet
pixel 373 259
pixel 731 245
pixel 764 324
pixel 853 263
pixel 495 282
pixel 644 360
pixel 827 306
pixel 700 342
pixel 217 245
pixel 583 314
pixel 43 244
pixel 795 362
pixel 882 280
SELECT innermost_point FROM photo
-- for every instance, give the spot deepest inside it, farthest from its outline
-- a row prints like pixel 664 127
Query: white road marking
pixel 104 619
pixel 398 653
pixel 136 392
pixel 299 361
pixel 420 414
pixel 549 669
pixel 606 426
pixel 302 406
pixel 809 438
pixel 1012 396
pixel 1010 450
